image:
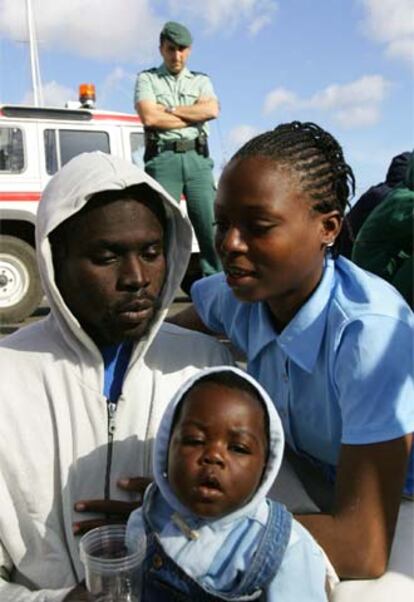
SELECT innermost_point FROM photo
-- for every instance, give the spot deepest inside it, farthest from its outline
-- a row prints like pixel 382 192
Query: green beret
pixel 177 33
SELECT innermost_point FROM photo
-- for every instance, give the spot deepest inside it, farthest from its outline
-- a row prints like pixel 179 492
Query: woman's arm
pixel 357 536
pixel 189 318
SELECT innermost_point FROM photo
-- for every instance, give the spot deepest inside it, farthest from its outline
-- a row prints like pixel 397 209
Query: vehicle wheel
pixel 20 288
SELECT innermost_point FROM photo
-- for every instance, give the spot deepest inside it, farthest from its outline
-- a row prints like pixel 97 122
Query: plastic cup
pixel 113 564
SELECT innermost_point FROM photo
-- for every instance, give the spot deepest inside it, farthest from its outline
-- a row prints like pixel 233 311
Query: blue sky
pixel 348 65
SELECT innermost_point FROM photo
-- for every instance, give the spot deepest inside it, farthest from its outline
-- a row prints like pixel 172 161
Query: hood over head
pixel 70 189
pixel 397 169
pixel 275 455
pixel 409 172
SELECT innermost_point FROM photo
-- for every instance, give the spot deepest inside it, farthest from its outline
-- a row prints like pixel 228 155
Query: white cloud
pixel 54 95
pixel 126 29
pixel 258 23
pixel 352 105
pixel 402 49
pixel 278 98
pixel 391 22
pixel 100 29
pixel 241 134
pixel 357 116
pixel 227 14
pixel 117 82
pixel 369 89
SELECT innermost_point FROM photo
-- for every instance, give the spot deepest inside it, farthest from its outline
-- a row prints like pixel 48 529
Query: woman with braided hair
pixel 331 343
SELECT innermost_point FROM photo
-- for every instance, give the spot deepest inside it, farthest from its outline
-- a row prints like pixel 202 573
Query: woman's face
pixel 270 241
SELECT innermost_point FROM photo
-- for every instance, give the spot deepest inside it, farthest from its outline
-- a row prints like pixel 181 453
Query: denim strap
pixel 260 572
pixel 270 552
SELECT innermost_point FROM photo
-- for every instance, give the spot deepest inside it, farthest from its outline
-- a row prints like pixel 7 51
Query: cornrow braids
pixel 315 156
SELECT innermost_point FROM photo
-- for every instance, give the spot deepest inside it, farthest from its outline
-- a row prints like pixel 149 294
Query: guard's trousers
pixel 190 174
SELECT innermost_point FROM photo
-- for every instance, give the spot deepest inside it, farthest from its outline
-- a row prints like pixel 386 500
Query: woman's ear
pixel 331 224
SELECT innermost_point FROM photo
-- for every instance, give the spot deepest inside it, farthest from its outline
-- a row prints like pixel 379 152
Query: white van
pixel 34 144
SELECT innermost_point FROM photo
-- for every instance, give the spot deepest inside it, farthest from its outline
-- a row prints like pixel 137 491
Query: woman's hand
pixel 114 511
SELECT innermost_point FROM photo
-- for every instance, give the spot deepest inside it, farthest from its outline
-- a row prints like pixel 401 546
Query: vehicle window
pixel 72 143
pixel 137 142
pixel 62 145
pixel 11 150
pixel 50 151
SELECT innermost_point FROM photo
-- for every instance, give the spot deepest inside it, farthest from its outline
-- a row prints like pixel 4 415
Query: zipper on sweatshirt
pixel 111 407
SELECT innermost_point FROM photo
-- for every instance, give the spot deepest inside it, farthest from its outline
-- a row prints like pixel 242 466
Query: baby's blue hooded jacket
pixel 235 557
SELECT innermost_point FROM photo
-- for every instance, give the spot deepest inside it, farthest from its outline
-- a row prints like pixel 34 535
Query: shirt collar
pixel 302 337
pixel 185 72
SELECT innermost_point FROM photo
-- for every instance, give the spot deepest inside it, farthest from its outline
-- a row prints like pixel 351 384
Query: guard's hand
pixel 79 594
pixel 114 511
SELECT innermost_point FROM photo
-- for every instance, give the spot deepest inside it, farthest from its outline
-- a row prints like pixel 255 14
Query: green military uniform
pixel 180 162
pixel 384 244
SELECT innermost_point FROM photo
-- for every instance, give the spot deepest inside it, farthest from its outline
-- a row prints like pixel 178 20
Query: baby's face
pixel 218 450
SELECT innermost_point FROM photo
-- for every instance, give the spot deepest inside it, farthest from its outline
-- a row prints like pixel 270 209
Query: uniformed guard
pixel 175 104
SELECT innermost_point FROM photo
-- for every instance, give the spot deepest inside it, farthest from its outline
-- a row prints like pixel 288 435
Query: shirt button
pixel 157 561
pixel 285 378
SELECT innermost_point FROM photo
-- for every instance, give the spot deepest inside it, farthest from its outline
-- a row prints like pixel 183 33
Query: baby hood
pixel 276 446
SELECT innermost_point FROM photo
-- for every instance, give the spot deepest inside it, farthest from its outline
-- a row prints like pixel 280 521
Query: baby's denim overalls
pixel 165 581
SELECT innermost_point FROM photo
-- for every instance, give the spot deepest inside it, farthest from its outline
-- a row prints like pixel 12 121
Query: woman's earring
pixel 329 248
pixel 164 474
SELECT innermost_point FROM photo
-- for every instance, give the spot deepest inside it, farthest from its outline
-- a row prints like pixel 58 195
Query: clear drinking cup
pixel 113 564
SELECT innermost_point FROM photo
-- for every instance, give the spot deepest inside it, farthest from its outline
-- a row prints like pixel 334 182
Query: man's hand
pixel 79 594
pixel 202 110
pixel 154 114
pixel 115 511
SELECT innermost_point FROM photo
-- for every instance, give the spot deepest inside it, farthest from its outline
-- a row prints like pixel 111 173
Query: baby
pixel 212 533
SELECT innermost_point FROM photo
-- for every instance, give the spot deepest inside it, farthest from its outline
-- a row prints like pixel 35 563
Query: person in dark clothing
pixel 369 201
pixel 384 244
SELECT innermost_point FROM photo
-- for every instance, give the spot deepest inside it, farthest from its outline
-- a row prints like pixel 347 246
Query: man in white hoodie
pixel 83 390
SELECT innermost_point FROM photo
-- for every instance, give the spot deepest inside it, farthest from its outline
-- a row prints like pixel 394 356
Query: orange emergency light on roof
pixel 87 94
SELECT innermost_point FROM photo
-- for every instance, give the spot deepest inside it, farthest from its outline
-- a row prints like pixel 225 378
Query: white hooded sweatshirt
pixel 54 416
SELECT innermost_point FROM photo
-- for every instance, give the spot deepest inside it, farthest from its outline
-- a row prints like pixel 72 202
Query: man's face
pixel 218 450
pixel 112 270
pixel 175 57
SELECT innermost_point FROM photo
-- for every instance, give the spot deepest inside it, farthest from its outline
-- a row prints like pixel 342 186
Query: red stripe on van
pixel 20 196
pixel 116 117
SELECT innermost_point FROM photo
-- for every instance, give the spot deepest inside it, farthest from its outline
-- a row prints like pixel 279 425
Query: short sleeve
pixel 144 89
pixel 374 376
pixel 208 296
pixel 206 87
pixel 222 313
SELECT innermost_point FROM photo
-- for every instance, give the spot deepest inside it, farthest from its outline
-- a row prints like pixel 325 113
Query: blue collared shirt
pixel 116 360
pixel 340 372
